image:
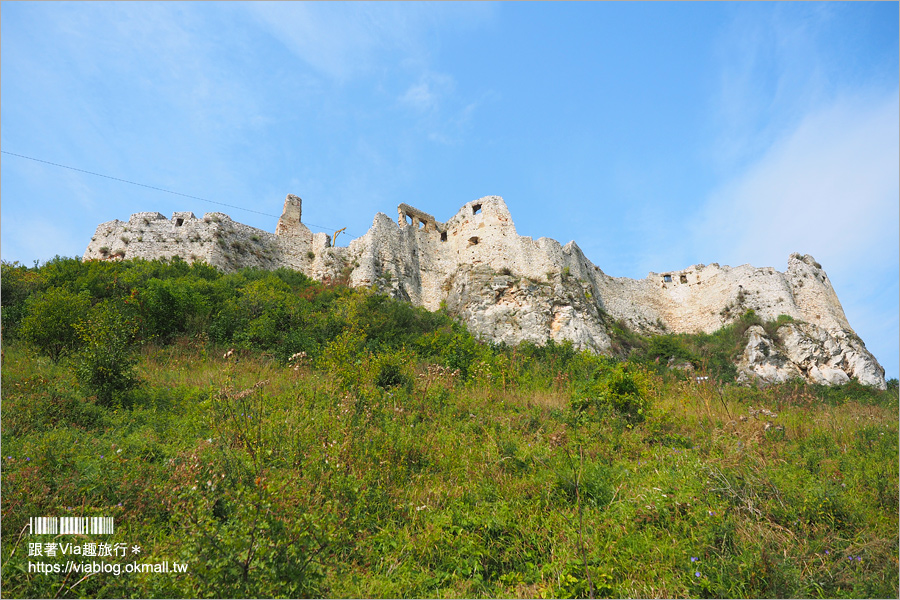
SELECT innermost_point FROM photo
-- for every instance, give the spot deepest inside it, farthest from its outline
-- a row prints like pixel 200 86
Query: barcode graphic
pixel 71 525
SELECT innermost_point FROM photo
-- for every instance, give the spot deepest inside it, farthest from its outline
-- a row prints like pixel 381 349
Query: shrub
pixel 105 366
pixel 343 357
pixel 18 283
pixel 617 390
pixel 51 318
pixel 665 347
pixel 394 371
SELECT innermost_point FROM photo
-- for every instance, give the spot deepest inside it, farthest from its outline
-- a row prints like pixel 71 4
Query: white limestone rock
pixel 830 357
pixel 763 361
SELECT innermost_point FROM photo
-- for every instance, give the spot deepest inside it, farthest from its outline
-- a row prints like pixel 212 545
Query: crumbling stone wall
pixel 513 288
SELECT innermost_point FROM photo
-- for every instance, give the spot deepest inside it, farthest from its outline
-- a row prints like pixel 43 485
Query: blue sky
pixel 655 135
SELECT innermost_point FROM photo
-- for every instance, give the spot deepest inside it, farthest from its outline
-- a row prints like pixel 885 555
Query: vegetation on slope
pixel 285 438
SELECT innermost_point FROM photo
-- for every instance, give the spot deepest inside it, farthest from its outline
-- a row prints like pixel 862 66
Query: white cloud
pixel 829 188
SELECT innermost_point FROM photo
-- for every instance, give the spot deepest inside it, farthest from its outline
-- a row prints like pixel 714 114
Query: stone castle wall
pixel 511 288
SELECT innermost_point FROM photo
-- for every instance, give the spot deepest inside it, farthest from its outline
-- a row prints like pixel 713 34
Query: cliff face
pixel 512 288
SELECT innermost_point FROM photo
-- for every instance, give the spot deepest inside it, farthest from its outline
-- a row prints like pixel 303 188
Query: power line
pixel 153 187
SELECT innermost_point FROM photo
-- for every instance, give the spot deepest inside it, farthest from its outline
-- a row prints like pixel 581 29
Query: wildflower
pixel 711 513
pixel 696 573
pixel 859 559
pixel 120 504
pixel 694 559
pixel 827 552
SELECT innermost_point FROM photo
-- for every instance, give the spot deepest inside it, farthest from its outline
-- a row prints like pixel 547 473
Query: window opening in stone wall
pixel 421 224
pixel 667 279
pixel 683 279
pixel 443 236
pixel 473 240
pixel 476 208
pixel 179 222
pixel 407 220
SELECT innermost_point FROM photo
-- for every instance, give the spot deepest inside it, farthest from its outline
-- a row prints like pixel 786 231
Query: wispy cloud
pixel 772 72
pixel 344 40
pixel 828 187
pixel 808 152
pixel 426 94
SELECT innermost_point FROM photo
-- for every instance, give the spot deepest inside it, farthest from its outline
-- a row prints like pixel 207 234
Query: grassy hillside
pixel 283 438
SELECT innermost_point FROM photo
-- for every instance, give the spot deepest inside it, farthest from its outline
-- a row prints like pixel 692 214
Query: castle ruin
pixel 512 288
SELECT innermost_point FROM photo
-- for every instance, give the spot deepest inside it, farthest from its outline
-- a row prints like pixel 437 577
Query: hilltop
pixel 510 288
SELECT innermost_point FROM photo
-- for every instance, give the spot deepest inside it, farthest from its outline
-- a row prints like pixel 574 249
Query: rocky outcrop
pixel 512 288
pixel 806 351
pixel 764 361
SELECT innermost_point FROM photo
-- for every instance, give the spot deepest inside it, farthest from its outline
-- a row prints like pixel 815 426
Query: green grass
pixel 288 439
pixel 449 488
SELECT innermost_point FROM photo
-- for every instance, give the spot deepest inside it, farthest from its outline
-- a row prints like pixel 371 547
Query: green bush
pixel 664 347
pixel 105 364
pixel 174 306
pixel 51 319
pixel 394 370
pixel 17 282
pixel 617 390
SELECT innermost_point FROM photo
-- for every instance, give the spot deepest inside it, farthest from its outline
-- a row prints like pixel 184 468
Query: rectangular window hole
pixel 476 208
pixel 667 279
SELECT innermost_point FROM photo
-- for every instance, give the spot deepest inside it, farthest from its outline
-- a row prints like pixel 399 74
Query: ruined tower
pixel 289 224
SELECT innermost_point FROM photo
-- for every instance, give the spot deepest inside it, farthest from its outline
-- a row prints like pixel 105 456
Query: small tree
pixel 51 319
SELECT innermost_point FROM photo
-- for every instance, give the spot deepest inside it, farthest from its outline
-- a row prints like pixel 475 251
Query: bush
pixel 394 371
pixel 173 306
pixel 105 366
pixel 51 318
pixel 17 282
pixel 617 390
pixel 665 347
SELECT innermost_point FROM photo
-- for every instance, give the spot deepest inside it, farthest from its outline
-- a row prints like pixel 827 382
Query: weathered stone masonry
pixel 511 288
